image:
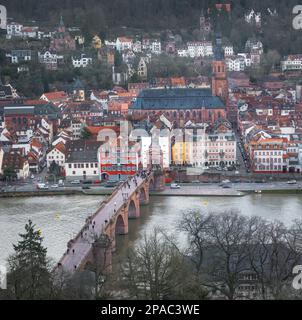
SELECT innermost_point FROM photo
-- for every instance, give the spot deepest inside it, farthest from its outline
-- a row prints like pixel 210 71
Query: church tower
pixel 62 28
pixel 219 72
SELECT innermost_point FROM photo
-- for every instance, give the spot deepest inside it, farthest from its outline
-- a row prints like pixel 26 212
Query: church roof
pixel 177 98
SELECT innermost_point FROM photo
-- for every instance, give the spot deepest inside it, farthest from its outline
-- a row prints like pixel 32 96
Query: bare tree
pixel 156 269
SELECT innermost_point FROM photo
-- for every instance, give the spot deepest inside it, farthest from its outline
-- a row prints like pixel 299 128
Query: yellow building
pixel 182 152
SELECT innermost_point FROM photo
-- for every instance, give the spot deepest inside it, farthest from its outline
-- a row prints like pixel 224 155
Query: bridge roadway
pixel 81 246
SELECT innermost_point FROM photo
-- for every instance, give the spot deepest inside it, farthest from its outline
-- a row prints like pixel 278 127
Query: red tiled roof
pixel 61 147
pixel 58 95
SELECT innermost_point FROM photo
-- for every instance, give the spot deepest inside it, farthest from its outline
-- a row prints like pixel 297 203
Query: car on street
pixel 42 186
pixel 86 187
pixel 75 182
pixel 226 186
pixel 54 186
pixel 291 182
pixel 174 186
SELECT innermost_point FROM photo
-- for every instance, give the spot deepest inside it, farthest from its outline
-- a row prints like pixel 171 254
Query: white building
pixel 137 46
pixel 200 49
pixel 81 62
pixel 253 17
pixel 19 56
pixel 269 155
pixel 228 51
pixel 247 58
pixel 292 62
pixel 76 127
pixel 124 43
pixel 235 63
pixel 14 30
pixel 82 160
pixel 164 143
pixel 183 52
pixel 50 59
pixel 156 47
pixel 57 155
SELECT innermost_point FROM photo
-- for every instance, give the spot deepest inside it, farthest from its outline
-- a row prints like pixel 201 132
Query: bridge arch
pixel 133 210
pixel 143 195
pixel 151 184
pixel 120 226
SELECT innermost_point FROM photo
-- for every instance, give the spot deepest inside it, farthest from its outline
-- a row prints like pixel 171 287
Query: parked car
pixel 291 182
pixel 75 182
pixel 174 186
pixel 42 186
pixel 55 186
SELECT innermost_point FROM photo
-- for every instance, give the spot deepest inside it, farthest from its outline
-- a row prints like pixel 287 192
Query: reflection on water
pixel 60 218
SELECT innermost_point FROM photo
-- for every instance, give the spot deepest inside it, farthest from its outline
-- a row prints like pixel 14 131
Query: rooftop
pixel 177 98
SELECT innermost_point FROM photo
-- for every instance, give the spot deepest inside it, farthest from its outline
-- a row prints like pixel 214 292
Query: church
pixel 184 104
pixel 62 40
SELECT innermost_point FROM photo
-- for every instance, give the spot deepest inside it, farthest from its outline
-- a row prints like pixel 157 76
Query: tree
pixel 29 268
pixel 9 173
pixel 85 134
pixel 226 247
pixel 270 60
pixel 156 269
pixel 54 169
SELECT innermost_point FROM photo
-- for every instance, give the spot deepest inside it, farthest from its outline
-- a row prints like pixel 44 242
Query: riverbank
pixel 39 193
pixel 198 190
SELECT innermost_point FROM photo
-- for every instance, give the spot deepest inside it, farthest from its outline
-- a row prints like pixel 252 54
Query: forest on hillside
pixel 102 17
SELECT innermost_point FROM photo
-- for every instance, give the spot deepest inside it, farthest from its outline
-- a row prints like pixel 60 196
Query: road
pixel 82 244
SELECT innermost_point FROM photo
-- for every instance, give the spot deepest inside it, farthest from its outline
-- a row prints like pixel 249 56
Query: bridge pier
pixel 100 257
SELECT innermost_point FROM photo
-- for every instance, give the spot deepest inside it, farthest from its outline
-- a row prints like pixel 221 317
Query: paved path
pixel 82 244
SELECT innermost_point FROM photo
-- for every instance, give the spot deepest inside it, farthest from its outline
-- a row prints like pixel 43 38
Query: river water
pixel 60 218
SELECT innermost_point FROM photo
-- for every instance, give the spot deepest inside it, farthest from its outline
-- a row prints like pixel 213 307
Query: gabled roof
pixel 55 96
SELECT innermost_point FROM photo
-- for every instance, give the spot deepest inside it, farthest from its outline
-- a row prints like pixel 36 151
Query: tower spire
pixel 61 22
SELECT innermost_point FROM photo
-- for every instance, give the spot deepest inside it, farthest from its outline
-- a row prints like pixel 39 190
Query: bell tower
pixel 219 73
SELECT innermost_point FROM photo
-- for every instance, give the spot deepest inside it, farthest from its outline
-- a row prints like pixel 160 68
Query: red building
pixel 62 40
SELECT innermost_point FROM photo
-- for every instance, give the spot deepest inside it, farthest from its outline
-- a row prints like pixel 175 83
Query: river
pixel 60 218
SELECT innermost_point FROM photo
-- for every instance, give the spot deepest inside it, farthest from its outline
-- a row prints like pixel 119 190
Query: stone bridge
pixel 94 245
